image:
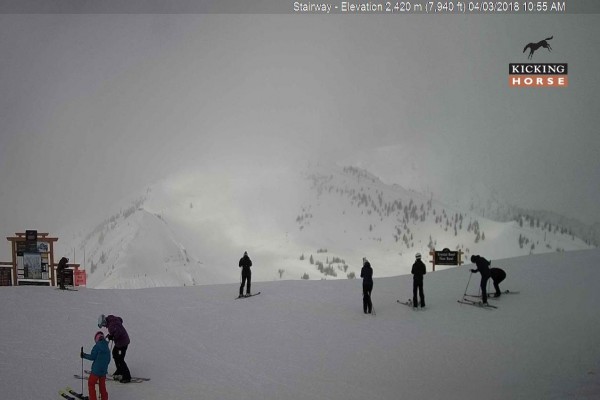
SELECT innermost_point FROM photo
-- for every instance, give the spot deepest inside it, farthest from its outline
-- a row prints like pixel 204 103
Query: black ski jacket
pixel 367 272
pixel 62 265
pixel 245 263
pixel 497 274
pixel 483 265
pixel 418 270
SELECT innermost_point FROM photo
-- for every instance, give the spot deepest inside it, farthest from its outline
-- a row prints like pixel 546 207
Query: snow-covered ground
pixel 310 339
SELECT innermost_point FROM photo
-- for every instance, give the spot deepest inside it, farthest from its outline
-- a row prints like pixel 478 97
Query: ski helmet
pixel 98 336
pixel 101 321
pixel 418 256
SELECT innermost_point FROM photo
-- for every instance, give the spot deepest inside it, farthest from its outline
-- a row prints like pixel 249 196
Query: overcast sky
pixel 95 107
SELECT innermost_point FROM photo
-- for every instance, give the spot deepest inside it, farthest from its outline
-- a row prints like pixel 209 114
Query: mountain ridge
pixel 191 229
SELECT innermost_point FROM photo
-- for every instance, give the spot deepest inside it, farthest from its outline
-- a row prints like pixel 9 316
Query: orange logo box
pixel 538 80
pixel 538 75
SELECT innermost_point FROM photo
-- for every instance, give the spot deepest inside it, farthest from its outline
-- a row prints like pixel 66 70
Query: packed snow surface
pixel 310 339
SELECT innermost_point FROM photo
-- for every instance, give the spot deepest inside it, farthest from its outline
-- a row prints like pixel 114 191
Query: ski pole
pixel 468 284
pixel 82 375
pixel 372 306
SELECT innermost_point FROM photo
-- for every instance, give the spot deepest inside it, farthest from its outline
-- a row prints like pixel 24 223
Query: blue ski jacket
pixel 100 358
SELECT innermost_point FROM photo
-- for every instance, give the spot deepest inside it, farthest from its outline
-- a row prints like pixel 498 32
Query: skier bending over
pixel 118 334
pixel 483 267
pixel 497 275
pixel 245 264
pixel 100 357
pixel 367 274
pixel 418 270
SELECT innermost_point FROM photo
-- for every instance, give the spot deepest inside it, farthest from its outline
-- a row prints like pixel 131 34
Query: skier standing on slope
pixel 483 267
pixel 367 274
pixel 100 357
pixel 418 270
pixel 497 275
pixel 245 264
pixel 118 334
pixel 60 272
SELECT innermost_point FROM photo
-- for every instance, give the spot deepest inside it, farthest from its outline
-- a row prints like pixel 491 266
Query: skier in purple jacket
pixel 118 334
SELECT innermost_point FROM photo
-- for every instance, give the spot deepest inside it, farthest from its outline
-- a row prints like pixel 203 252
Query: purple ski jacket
pixel 115 328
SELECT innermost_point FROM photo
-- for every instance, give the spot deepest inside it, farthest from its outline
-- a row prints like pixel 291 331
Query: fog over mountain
pixel 96 108
pixel 191 228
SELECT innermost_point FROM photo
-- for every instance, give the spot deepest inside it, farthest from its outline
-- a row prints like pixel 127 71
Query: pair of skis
pixel 134 379
pixel 479 303
pixel 475 303
pixel 247 295
pixel 70 394
pixel 410 304
pixel 492 295
pixel 470 302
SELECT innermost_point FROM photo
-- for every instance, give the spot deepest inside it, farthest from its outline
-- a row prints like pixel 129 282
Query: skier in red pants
pixel 100 356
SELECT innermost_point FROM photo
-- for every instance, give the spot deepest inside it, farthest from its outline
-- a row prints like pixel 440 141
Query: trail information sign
pixel 446 257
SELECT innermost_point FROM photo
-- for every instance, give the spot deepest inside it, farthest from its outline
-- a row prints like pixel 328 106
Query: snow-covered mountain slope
pixel 363 215
pixel 193 227
pixel 310 340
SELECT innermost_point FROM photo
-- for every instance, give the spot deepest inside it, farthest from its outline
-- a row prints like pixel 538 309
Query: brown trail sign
pixel 446 257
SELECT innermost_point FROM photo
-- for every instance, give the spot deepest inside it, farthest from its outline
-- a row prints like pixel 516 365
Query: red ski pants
pixel 101 380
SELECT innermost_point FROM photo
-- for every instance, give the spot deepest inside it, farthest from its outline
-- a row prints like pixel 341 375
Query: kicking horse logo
pixel 534 46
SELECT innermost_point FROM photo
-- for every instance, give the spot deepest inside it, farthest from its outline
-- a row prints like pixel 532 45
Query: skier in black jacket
pixel 245 264
pixel 483 267
pixel 497 275
pixel 60 272
pixel 367 274
pixel 418 270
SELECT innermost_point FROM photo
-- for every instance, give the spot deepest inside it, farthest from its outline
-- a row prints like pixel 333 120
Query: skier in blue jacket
pixel 100 357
